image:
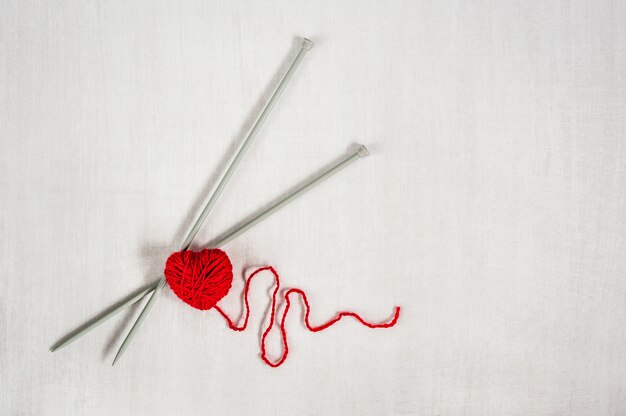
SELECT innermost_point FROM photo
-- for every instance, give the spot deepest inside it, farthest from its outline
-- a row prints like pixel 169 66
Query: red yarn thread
pixel 312 328
pixel 201 279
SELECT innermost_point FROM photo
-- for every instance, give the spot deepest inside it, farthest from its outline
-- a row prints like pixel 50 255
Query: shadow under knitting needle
pixel 98 319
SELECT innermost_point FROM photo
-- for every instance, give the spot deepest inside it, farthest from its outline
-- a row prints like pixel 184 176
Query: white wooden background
pixel 492 209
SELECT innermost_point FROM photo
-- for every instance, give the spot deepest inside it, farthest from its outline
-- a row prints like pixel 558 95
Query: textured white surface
pixel 492 209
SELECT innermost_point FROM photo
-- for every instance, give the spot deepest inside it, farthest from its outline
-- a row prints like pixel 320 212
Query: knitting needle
pixel 360 152
pixel 305 47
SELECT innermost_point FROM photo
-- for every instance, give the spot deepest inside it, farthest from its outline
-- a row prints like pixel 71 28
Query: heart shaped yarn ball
pixel 199 278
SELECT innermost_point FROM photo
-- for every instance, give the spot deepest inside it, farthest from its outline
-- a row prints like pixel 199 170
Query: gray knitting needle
pixel 360 152
pixel 306 46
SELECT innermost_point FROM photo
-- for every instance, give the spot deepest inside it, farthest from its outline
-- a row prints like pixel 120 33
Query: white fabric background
pixel 492 208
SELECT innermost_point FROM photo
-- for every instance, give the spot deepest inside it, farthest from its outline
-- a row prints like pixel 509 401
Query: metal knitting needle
pixel 360 152
pixel 306 46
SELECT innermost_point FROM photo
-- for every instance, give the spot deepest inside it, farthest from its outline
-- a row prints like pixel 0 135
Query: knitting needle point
pixel 112 311
pixel 305 47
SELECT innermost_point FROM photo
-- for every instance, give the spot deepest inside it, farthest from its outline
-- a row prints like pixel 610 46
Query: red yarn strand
pixel 312 328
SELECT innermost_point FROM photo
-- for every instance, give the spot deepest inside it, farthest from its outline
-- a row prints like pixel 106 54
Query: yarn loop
pixel 201 279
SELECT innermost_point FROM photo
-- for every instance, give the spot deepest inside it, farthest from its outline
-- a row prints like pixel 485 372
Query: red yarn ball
pixel 200 278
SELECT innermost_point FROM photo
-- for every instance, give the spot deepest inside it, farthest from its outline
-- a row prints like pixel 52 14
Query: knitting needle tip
pixel 117 356
pixel 56 347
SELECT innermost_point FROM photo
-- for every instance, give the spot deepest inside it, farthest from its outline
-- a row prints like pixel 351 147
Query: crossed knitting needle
pixel 156 286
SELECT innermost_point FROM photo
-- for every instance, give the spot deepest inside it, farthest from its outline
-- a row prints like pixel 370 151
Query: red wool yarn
pixel 202 278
